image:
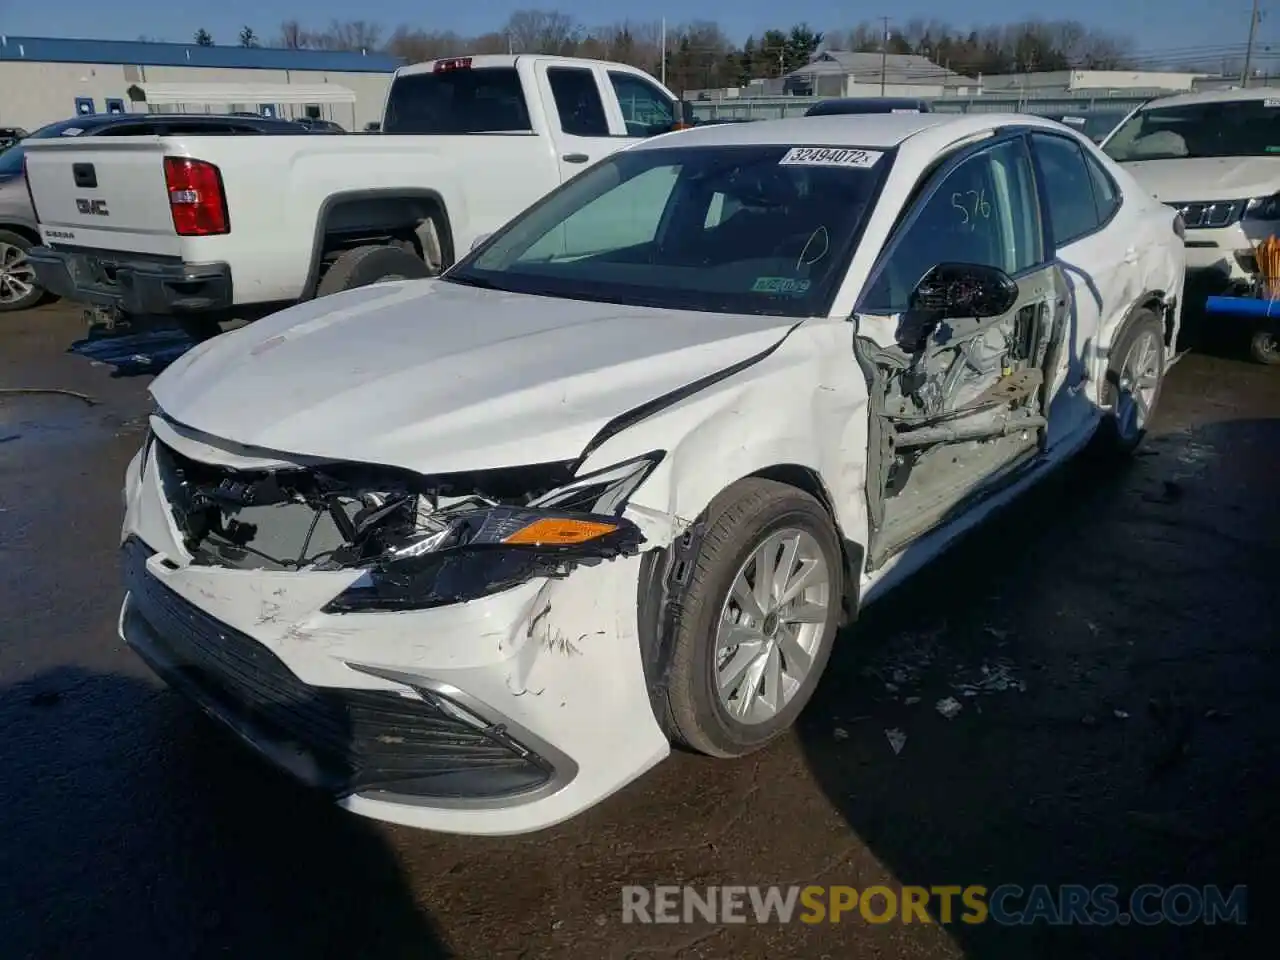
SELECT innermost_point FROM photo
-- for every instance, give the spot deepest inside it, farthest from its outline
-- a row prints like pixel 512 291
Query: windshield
pixel 458 102
pixel 749 229
pixel 11 159
pixel 1230 128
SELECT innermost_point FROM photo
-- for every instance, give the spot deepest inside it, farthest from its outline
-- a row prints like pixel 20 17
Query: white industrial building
pixel 43 80
pixel 1082 81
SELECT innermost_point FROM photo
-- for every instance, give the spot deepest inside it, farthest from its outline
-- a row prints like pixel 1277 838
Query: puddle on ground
pixel 48 418
pixel 134 353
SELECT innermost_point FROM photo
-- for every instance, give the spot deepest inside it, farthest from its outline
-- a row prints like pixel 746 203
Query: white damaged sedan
pixel 472 553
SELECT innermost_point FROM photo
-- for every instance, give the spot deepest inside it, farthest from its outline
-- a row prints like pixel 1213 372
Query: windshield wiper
pixel 467 281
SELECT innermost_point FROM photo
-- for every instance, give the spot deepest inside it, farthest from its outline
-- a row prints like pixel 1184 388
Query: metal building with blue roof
pixel 46 79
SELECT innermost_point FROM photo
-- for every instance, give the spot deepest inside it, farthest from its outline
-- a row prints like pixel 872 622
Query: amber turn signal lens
pixel 553 530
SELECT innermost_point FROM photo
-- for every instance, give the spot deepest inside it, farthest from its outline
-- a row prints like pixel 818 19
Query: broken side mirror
pixel 963 291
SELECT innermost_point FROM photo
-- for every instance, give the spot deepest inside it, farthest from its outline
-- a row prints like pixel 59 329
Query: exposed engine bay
pixel 950 412
pixel 424 539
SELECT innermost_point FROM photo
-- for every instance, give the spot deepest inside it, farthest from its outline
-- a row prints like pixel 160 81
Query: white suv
pixel 1215 157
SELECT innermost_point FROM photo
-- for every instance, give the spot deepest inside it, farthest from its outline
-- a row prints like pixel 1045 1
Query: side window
pixel 578 102
pixel 1105 194
pixel 1067 185
pixel 646 110
pixel 984 211
pixel 626 216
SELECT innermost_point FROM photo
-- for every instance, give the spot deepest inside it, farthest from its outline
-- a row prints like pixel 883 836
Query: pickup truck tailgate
pixel 102 192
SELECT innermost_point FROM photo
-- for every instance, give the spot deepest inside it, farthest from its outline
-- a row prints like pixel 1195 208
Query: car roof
pixel 1214 96
pixel 878 131
pixel 98 121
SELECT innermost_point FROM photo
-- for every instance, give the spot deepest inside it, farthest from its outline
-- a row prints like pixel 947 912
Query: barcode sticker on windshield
pixel 830 157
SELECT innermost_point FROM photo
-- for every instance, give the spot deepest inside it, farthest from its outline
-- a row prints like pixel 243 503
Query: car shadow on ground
pixel 272 871
pixel 1109 642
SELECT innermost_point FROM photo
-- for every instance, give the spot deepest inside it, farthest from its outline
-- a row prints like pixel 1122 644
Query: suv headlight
pixel 495 547
pixel 1263 208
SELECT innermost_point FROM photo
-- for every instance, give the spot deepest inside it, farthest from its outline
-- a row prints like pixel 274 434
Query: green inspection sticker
pixel 780 285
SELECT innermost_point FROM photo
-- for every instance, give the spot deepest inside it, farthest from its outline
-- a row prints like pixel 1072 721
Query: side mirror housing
pixel 963 291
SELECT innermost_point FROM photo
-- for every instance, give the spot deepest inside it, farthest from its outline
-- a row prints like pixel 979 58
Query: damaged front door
pixel 956 330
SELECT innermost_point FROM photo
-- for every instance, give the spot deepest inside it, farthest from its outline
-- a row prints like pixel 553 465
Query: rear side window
pixel 1068 186
pixel 458 102
pixel 578 102
pixel 1105 194
pixel 646 110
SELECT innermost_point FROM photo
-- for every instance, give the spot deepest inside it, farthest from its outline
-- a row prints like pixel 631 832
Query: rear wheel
pixel 18 287
pixel 362 266
pixel 755 625
pixel 1135 374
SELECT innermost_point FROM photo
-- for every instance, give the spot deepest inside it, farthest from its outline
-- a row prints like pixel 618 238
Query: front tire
pixel 362 266
pixel 1134 378
pixel 754 627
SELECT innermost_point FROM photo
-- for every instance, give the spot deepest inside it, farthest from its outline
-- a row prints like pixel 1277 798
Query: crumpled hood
pixel 437 377
pixel 1216 178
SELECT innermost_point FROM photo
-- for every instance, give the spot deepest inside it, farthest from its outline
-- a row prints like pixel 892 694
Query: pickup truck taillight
pixel 26 178
pixel 196 198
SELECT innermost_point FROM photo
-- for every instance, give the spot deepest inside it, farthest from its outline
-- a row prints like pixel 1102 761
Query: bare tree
pixel 351 35
pixel 543 31
pixel 293 36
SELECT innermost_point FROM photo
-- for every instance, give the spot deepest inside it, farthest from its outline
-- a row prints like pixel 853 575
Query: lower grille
pixel 354 741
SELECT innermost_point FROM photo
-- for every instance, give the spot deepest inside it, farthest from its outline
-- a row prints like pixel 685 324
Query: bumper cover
pixel 375 742
pixel 137 286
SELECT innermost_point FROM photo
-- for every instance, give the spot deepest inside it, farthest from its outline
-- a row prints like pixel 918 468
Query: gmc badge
pixel 94 208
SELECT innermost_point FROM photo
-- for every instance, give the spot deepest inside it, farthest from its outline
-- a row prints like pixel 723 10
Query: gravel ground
pixel 1110 641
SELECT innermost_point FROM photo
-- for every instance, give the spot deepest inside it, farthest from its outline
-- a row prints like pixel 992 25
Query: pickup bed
pixel 218 227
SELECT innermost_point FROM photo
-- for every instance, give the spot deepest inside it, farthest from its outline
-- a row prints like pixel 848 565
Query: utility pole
pixel 884 52
pixel 663 42
pixel 1254 17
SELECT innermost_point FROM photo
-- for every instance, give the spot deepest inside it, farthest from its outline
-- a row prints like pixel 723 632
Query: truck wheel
pixel 755 623
pixel 18 287
pixel 1265 348
pixel 362 266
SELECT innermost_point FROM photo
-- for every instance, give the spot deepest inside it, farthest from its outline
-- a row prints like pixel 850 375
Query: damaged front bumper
pixel 501 715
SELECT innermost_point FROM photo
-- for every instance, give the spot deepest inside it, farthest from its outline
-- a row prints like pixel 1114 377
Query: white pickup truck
pixel 207 228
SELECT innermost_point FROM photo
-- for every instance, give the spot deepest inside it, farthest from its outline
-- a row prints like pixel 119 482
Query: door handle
pixel 575 158
pixel 1131 255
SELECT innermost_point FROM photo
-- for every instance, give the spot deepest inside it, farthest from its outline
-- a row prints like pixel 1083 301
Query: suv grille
pixel 1199 216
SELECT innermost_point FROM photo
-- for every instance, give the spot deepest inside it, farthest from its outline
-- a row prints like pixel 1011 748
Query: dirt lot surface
pixel 1117 631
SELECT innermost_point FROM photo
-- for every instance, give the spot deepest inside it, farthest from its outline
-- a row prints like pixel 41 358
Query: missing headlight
pixel 491 548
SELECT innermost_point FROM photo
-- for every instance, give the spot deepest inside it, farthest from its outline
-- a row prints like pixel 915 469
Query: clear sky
pixel 1154 25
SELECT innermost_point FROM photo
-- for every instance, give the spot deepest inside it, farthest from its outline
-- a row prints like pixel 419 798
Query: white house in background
pixel 840 73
